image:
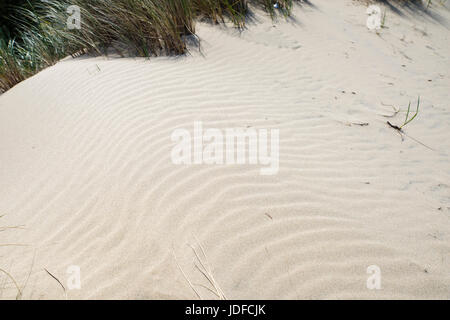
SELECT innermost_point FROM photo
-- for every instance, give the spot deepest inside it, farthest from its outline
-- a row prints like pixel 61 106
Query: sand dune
pixel 85 165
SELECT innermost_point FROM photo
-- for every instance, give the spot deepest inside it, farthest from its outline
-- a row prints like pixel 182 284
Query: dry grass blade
pixel 29 273
pixel 13 227
pixel 205 270
pixel 202 265
pixel 57 280
pixel 184 275
pixel 19 292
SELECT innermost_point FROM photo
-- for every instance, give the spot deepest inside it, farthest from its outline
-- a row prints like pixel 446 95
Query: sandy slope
pixel 85 165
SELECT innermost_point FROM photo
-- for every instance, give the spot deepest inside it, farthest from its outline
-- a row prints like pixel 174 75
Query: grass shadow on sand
pixel 414 8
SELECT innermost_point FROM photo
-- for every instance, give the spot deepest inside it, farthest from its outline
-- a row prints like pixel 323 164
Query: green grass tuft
pixel 407 113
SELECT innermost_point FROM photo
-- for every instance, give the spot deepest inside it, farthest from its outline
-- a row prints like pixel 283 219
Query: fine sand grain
pixel 85 166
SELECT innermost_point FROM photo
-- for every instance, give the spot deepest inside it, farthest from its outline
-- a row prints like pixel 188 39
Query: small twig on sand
pixel 349 124
pixel 394 126
pixel 62 286
pixel 362 124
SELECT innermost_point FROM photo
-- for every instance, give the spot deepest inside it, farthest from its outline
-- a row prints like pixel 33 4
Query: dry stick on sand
pixel 362 124
pixel 62 286
pixel 349 124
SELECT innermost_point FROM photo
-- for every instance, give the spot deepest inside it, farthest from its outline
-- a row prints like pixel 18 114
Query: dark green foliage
pixel 34 33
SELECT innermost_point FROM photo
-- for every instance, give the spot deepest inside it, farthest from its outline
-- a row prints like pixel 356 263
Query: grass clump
pixel 407 118
pixel 36 34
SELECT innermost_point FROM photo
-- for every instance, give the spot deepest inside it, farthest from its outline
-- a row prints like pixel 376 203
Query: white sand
pixel 85 165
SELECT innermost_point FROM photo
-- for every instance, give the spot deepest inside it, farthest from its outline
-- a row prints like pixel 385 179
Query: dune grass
pixel 34 33
pixel 145 28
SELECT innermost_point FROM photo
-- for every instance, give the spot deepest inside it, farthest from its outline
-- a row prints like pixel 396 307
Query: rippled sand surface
pixel 85 165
